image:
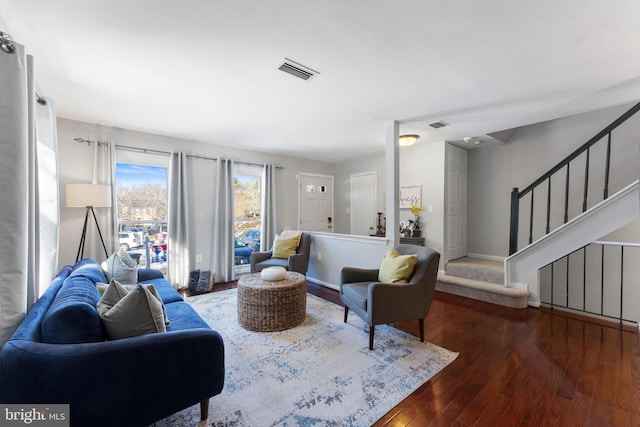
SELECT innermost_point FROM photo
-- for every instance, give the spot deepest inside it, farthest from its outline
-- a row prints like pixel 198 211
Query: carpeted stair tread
pixel 487 286
pixel 483 291
pixel 482 270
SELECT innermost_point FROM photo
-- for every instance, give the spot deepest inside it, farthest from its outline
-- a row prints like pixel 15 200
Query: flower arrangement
pixel 406 228
pixel 412 227
pixel 417 213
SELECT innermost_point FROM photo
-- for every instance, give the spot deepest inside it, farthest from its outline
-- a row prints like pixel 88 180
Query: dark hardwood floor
pixel 519 367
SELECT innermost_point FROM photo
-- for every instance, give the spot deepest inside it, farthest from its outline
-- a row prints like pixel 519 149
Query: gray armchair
pixel 380 303
pixel 298 262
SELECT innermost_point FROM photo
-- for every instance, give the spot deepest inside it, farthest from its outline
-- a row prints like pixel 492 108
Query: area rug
pixel 320 373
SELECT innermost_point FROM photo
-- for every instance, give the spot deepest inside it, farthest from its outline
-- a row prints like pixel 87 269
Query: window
pixel 248 205
pixel 142 204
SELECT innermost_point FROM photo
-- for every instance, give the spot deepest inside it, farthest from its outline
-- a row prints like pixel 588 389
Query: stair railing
pixel 517 195
pixel 585 293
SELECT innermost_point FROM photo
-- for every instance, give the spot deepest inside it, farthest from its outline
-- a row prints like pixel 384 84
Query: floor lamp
pixel 88 196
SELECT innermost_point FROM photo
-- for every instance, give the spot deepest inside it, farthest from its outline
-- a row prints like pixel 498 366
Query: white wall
pixel 76 165
pixel 531 151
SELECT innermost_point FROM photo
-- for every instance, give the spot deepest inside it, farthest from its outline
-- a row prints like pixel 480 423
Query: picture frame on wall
pixel 410 196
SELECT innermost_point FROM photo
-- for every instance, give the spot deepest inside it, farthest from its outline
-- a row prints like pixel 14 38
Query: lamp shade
pixel 82 195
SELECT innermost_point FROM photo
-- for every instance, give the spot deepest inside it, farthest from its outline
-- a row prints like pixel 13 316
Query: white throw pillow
pixel 122 267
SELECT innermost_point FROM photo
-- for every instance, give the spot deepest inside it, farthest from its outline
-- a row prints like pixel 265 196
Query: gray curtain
pixel 23 246
pixel 269 228
pixel 178 225
pixel 222 249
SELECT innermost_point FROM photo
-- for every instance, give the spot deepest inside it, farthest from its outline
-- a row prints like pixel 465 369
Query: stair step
pixel 482 270
pixel 483 291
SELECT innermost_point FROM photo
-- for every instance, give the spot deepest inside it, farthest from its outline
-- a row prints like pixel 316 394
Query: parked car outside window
pixel 251 238
pixel 129 240
pixel 242 252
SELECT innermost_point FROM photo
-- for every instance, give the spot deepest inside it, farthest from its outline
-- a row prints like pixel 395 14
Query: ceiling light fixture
pixel 407 140
pixel 473 140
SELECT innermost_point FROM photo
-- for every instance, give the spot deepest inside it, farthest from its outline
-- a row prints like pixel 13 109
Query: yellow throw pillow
pixel 283 247
pixel 291 233
pixel 396 268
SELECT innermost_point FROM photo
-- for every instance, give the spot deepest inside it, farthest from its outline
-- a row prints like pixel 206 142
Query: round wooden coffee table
pixel 271 306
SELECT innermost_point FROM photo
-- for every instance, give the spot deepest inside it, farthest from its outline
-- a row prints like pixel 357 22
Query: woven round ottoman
pixel 271 306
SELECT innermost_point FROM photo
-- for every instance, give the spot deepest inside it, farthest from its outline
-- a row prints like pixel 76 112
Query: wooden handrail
pixel 583 148
pixel 516 195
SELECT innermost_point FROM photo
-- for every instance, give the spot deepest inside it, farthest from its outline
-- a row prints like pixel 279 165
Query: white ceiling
pixel 206 69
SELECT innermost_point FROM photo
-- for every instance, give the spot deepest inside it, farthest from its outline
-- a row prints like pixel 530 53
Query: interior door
pixel 316 202
pixel 362 203
pixel 457 210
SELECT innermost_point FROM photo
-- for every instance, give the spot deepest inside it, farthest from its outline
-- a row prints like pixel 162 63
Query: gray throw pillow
pixel 205 282
pixel 130 314
pixel 122 267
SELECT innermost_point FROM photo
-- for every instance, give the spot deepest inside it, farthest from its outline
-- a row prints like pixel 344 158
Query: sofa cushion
pixel 184 317
pixel 89 269
pixel 356 293
pixel 130 314
pixel 167 292
pixel 72 317
pixel 122 267
pixel 396 268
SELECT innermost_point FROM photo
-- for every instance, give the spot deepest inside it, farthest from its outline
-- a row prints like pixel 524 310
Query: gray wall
pixel 531 151
pixel 374 162
pixel 421 164
pixel 76 165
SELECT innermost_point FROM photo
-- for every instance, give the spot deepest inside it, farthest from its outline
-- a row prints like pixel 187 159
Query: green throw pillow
pixel 396 268
pixel 127 314
pixel 283 247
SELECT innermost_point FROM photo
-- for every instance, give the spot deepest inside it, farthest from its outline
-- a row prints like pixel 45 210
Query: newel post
pixel 513 226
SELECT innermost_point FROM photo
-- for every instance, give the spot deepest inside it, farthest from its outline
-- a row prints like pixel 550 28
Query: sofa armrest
pixel 257 257
pixel 149 274
pixel 299 263
pixel 354 275
pixel 157 374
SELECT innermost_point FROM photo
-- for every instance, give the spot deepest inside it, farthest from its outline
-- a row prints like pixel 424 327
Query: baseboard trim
pixel 487 257
pixel 322 283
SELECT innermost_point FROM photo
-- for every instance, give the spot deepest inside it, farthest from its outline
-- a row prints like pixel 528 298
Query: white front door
pixel 456 193
pixel 316 202
pixel 362 203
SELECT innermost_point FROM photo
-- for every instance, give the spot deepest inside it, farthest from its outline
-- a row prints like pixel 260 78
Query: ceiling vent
pixel 296 69
pixel 437 125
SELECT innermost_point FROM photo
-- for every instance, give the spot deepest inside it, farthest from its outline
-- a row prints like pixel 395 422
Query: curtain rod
pixel 168 153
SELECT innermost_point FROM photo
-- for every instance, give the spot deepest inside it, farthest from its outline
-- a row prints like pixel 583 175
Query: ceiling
pixel 206 70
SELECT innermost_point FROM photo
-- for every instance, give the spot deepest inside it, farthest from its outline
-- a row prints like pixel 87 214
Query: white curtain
pixel 269 228
pixel 104 168
pixel 24 249
pixel 222 248
pixel 49 211
pixel 178 225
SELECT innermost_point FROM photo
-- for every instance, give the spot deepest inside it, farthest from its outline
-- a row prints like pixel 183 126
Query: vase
pixel 417 233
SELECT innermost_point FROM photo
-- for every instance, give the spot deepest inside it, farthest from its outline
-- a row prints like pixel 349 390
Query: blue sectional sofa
pixel 60 354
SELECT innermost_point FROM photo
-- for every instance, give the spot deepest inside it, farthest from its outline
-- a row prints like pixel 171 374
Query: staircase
pixel 482 280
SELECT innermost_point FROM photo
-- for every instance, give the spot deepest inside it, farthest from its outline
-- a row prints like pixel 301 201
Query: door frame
pixel 375 197
pixel 333 197
pixel 447 237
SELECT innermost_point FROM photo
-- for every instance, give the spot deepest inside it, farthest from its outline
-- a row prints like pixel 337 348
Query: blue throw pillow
pixel 73 317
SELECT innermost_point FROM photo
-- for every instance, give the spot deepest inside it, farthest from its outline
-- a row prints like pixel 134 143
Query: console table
pixel 419 241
